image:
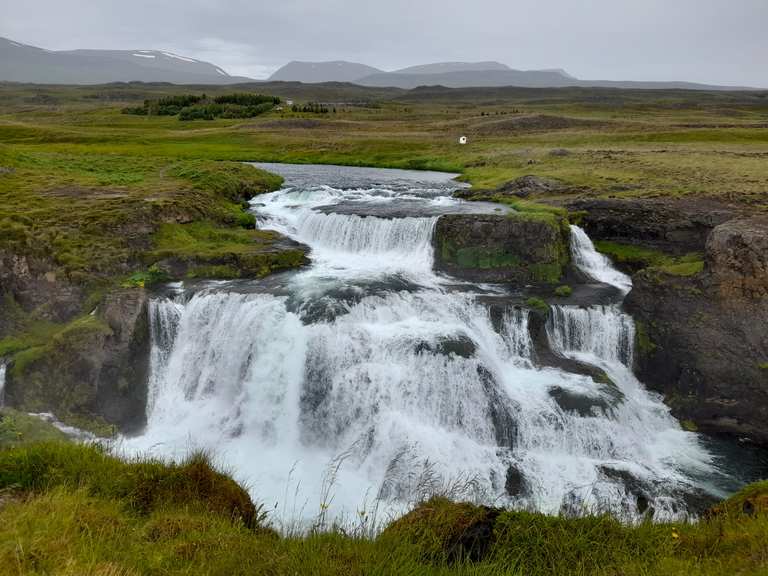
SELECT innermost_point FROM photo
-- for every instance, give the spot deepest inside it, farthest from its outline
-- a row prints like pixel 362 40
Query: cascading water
pixel 369 359
pixel 2 383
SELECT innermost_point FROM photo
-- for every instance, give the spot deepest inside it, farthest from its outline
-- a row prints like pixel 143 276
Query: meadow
pixel 102 197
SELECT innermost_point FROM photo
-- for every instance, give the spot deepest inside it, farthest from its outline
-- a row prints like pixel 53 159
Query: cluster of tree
pixel 193 107
pixel 311 108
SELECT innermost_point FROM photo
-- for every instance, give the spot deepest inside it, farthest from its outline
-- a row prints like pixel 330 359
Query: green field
pixel 105 199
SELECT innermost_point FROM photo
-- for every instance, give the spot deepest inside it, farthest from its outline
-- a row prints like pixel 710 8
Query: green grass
pixel 639 258
pixel 563 291
pixel 77 510
pixel 537 304
pixel 18 428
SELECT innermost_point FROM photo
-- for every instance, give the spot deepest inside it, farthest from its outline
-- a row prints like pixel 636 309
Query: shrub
pixel 537 304
pixel 563 291
pixel 247 100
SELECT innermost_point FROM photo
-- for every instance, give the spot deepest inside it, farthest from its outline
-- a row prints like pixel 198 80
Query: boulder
pixel 518 248
pixel 737 258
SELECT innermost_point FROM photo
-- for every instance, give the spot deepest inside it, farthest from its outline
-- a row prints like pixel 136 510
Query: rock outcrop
pixel 518 248
pixel 703 340
pixel 673 226
pixel 31 283
pixel 96 369
pixel 737 258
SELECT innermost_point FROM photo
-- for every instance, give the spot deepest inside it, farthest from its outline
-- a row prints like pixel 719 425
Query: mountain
pixel 466 78
pixel 23 63
pixel 316 72
pixel 443 67
pixel 555 78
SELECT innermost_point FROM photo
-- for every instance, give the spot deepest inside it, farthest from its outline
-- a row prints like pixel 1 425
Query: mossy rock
pixel 445 531
pixel 750 501
pixel 521 248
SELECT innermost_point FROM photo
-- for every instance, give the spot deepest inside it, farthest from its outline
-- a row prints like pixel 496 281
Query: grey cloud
pixel 713 41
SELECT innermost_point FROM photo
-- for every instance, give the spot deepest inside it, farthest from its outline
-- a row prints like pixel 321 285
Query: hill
pixel 316 72
pixel 24 63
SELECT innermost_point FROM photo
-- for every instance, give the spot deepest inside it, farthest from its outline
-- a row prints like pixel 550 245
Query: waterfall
pixel 595 265
pixel 407 384
pixel 603 332
pixel 371 235
pixel 2 383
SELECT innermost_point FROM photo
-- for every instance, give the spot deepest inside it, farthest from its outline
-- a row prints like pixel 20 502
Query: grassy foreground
pixel 69 509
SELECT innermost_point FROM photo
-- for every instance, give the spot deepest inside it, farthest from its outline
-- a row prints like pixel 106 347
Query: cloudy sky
pixel 715 41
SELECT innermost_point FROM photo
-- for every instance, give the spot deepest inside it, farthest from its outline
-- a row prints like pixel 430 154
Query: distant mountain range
pixel 24 63
pixel 458 75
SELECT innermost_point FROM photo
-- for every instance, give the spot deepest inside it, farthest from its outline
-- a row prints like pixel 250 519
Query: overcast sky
pixel 715 41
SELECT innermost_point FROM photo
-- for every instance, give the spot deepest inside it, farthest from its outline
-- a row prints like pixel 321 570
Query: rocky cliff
pixel 703 339
pixel 517 248
pixel 93 371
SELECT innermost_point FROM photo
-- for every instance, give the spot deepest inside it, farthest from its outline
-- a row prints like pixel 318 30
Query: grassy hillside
pixel 68 509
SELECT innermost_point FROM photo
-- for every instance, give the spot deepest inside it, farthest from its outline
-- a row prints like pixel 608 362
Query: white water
pixel 595 265
pixel 2 384
pixel 369 359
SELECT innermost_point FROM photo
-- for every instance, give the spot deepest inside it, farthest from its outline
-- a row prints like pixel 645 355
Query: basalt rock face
pixel 737 257
pixel 96 369
pixel 491 248
pixel 32 284
pixel 673 226
pixel 703 340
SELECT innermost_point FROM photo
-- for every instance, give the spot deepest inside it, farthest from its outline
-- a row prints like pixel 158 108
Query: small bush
pixel 563 291
pixel 537 304
pixel 152 276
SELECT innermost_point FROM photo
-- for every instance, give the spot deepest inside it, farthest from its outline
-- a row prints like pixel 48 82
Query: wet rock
pixel 582 405
pixel 515 484
pixel 632 485
pixel 515 249
pixel 504 423
pixel 702 340
pixel 97 369
pixel 461 346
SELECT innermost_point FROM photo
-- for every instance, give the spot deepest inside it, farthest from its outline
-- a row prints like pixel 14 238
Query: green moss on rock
pixel 520 248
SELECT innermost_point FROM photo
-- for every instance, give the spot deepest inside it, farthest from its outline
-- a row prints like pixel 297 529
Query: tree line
pixel 194 107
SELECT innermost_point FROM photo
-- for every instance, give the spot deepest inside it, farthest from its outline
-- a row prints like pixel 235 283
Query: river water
pixel 367 380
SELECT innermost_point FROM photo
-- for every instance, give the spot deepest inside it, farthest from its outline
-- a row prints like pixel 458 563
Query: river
pixel 367 380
